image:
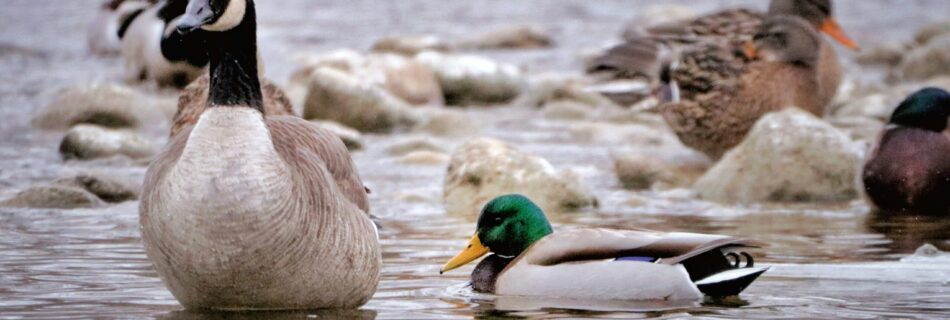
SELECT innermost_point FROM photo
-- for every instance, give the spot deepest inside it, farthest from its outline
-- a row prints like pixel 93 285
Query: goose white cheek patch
pixel 231 18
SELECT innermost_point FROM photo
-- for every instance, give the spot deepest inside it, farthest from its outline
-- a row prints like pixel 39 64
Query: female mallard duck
pixel 530 259
pixel 643 53
pixel 153 51
pixel 909 170
pixel 717 95
pixel 245 210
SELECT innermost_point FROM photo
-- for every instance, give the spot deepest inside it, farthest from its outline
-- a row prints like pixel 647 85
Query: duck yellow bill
pixel 474 250
pixel 831 27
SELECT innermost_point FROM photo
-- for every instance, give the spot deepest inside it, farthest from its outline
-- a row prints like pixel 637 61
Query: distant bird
pixel 909 170
pixel 153 51
pixel 112 21
pixel 718 90
pixel 250 211
pixel 528 258
pixel 642 55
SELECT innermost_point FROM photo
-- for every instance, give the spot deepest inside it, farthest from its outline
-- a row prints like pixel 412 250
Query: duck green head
pixel 927 109
pixel 507 226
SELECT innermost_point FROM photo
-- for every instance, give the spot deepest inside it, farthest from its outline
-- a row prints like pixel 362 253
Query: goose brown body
pixel 193 101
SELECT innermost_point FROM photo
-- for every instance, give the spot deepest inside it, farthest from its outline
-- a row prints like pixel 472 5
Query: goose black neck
pixel 233 60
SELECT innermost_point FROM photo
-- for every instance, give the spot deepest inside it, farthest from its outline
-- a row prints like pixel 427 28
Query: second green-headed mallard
pixel 909 169
pixel 528 258
pixel 716 92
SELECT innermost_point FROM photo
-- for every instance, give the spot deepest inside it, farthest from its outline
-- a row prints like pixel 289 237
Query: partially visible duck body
pixel 643 55
pixel 250 211
pixel 717 92
pixel 908 172
pixel 107 29
pixel 153 51
pixel 526 257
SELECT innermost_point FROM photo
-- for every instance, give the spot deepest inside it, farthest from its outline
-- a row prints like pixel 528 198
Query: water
pixel 829 261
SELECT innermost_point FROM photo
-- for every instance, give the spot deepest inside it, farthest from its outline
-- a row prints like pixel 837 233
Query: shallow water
pixel 829 261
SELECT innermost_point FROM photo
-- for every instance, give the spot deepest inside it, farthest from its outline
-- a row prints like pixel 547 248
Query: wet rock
pixel 338 96
pixel 788 156
pixel 566 110
pixel 553 89
pixel 655 15
pixel 108 189
pixel 624 134
pixel 889 55
pixel 638 172
pixel 86 141
pixel 447 123
pixel 474 80
pixel 930 60
pixel 416 144
pixel 932 31
pixel 484 168
pixel 511 37
pixel 424 158
pixel 106 105
pixel 351 138
pixel 410 45
pixel 53 197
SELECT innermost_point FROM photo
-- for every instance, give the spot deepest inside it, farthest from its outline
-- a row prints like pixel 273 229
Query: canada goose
pixel 642 55
pixel 110 24
pixel 530 259
pixel 193 101
pixel 718 95
pixel 249 211
pixel 909 170
pixel 153 51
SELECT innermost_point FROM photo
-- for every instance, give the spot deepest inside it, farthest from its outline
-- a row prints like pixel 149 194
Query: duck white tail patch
pixel 232 17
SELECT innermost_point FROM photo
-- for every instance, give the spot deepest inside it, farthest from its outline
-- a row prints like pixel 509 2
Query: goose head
pixel 927 109
pixel 507 226
pixel 818 13
pixel 785 39
pixel 213 15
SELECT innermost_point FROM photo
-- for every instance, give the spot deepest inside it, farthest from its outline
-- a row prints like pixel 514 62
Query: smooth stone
pixel 446 123
pixel 352 138
pixel 410 45
pixel 510 37
pixel 550 89
pixel 927 61
pixel 889 54
pixel 106 105
pixel 53 197
pixel 424 158
pixel 84 142
pixel 788 156
pixel 639 172
pixel 474 80
pixel 108 189
pixel 931 31
pixel 337 96
pixel 410 145
pixel 484 168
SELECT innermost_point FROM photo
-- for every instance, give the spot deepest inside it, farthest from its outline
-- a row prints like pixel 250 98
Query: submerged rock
pixel 410 45
pixel 352 138
pixel 927 61
pixel 787 156
pixel 86 141
pixel 337 96
pixel 484 168
pixel 105 105
pixel 108 189
pixel 474 80
pixel 511 37
pixel 53 197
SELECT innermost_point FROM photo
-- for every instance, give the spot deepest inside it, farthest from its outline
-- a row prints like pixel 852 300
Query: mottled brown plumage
pixel 194 100
pixel 723 93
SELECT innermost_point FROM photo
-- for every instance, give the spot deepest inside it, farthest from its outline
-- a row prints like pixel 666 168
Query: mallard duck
pixel 909 169
pixel 716 93
pixel 642 54
pixel 248 211
pixel 193 102
pixel 529 259
pixel 153 51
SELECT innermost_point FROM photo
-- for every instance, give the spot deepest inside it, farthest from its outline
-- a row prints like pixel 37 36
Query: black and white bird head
pixel 213 15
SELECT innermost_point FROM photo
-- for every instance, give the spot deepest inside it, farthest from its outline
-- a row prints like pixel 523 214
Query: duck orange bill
pixel 832 28
pixel 749 50
pixel 474 250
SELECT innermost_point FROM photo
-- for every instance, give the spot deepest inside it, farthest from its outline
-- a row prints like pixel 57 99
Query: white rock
pixel 410 45
pixel 86 141
pixel 352 138
pixel 107 105
pixel 53 197
pixel 424 158
pixel 787 156
pixel 337 96
pixel 484 168
pixel 468 79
